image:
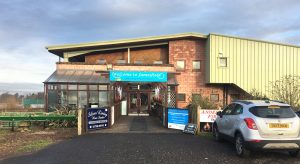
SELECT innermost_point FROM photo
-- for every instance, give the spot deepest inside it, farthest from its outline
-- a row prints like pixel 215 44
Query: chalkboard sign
pixel 190 128
pixel 97 118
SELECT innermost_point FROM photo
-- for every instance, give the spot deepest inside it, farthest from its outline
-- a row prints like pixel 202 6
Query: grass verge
pixel 34 145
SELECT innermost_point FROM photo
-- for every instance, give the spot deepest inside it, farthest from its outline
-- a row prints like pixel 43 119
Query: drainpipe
pixel 128 55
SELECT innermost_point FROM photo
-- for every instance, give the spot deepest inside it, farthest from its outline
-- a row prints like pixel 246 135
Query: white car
pixel 259 125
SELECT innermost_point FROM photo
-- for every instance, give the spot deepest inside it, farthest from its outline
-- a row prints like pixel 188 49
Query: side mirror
pixel 219 114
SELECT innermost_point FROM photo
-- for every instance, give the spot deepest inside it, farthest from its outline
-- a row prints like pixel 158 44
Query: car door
pixel 223 123
pixel 234 119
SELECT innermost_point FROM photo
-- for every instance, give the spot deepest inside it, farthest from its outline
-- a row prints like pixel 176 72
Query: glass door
pixel 144 108
pixel 133 103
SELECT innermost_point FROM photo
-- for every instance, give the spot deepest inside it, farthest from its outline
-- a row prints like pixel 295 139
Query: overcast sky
pixel 27 26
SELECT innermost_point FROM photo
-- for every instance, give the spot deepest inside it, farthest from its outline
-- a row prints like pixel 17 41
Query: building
pixel 166 69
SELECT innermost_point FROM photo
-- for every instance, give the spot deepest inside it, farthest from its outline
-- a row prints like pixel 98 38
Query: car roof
pixel 261 102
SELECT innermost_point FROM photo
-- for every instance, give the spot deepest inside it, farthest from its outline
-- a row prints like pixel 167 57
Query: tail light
pixel 250 123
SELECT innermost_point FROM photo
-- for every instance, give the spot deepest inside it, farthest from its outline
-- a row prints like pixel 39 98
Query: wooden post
pixel 80 122
pixel 198 119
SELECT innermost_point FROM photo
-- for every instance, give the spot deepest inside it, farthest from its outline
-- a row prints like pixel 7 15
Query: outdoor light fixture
pixel 109 66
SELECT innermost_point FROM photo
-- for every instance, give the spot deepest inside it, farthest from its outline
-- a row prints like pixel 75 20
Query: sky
pixel 28 26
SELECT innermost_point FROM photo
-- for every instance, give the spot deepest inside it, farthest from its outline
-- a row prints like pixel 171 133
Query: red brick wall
pixel 190 81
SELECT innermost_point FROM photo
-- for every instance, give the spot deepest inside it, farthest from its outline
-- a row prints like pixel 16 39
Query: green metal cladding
pixel 251 64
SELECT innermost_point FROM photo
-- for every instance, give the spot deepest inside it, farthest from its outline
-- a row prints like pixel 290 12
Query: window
pixel 82 87
pixel 103 99
pixel 82 99
pixel 223 61
pixel 214 97
pixel 93 97
pixel 180 65
pixel 103 87
pixel 238 109
pixel 269 112
pixel 72 87
pixel 196 65
pixel 228 110
pixel 93 87
pixel 72 98
pixel 181 97
pixel 196 97
pixel 52 100
pixel 63 87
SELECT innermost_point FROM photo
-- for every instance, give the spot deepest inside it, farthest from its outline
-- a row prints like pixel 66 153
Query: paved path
pixel 137 124
pixel 131 147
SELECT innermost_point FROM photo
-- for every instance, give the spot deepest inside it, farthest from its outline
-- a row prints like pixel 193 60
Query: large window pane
pixel 82 87
pixel 62 97
pixel 52 100
pixel 94 96
pixel 82 99
pixel 103 99
pixel 196 65
pixel 63 87
pixel 180 65
pixel 72 98
pixel 102 87
pixel 93 87
pixel 72 87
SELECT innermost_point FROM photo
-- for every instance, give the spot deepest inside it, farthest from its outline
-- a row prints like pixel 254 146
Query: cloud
pixel 26 27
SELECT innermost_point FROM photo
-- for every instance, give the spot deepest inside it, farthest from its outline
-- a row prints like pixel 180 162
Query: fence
pixel 12 119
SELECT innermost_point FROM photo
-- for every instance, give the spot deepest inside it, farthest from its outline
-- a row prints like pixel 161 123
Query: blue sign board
pixel 177 118
pixel 138 76
pixel 97 118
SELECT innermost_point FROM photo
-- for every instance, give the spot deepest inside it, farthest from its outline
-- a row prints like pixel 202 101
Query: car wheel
pixel 294 153
pixel 240 146
pixel 216 134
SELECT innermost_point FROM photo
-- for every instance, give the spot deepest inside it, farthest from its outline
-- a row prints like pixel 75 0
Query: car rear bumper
pixel 273 145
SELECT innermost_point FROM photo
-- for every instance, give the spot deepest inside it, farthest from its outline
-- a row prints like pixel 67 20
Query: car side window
pixel 228 110
pixel 238 109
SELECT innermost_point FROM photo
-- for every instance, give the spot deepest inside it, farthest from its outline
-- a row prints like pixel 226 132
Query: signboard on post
pixel 208 115
pixel 138 76
pixel 97 118
pixel 177 118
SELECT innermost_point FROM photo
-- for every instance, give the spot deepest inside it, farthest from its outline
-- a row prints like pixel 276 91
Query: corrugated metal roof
pixel 77 76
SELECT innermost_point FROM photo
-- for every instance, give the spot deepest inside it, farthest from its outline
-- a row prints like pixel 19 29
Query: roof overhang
pixel 123 43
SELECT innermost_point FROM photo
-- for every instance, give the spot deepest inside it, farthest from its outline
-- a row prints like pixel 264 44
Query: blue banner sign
pixel 97 118
pixel 138 76
pixel 177 118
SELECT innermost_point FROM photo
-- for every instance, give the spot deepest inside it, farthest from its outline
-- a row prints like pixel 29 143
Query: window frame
pixel 198 69
pixel 184 65
pixel 214 100
pixel 181 100
pixel 219 61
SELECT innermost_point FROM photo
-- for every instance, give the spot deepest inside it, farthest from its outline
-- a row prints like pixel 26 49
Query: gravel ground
pixel 145 148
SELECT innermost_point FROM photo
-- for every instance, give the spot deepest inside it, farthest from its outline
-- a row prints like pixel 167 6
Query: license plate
pixel 277 125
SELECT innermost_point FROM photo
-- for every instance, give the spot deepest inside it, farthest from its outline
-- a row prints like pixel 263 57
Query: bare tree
pixel 286 89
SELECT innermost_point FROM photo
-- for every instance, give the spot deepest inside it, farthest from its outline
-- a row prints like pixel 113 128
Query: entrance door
pixel 144 108
pixel 138 103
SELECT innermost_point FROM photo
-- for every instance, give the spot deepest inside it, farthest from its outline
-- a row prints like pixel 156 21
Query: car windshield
pixel 270 112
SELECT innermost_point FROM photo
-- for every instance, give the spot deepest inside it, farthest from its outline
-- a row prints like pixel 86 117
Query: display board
pixel 208 115
pixel 97 118
pixel 177 118
pixel 138 76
